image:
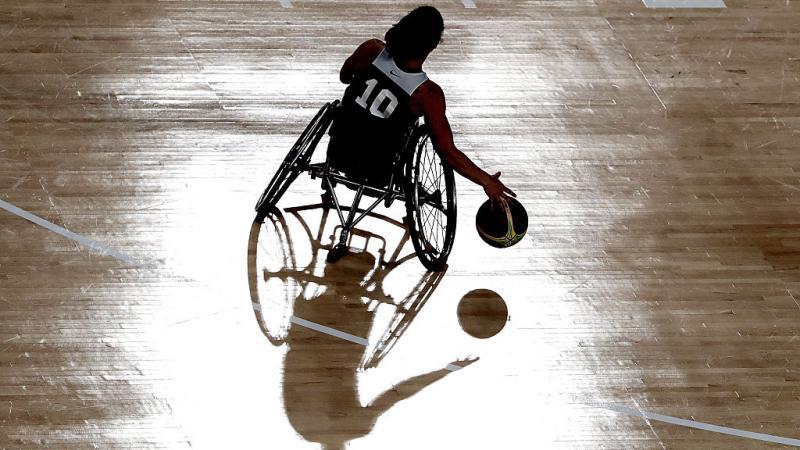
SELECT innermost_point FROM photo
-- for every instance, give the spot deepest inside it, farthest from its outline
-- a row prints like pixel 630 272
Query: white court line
pixel 106 250
pixel 469 4
pixel 684 3
pixel 83 240
pixel 339 334
pixel 702 426
pixel 329 331
pixel 620 409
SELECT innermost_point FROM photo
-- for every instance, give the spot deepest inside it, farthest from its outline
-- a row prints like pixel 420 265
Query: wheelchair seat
pixel 369 163
pixel 358 177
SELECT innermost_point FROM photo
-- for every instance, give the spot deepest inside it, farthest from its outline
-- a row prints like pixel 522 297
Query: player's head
pixel 416 34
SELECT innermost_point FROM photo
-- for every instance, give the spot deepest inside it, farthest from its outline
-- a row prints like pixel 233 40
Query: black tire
pixel 295 162
pixel 430 195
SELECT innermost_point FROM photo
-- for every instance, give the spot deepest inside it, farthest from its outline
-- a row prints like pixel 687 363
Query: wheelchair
pixel 418 178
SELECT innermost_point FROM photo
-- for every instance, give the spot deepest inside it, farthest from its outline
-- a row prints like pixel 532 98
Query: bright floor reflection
pixel 312 389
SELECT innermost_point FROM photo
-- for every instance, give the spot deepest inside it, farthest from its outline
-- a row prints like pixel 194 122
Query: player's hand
pixel 464 362
pixel 496 190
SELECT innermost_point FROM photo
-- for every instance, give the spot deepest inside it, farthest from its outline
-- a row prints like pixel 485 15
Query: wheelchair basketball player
pixel 387 91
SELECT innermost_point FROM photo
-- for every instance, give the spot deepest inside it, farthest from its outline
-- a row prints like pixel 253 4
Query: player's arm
pixel 442 135
pixel 360 59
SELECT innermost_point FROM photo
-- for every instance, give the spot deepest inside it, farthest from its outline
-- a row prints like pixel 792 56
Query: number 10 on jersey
pixel 375 106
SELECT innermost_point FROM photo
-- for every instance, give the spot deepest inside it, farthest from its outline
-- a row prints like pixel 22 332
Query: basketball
pixel 482 313
pixel 502 226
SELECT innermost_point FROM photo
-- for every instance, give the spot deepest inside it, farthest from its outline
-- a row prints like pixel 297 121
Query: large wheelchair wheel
pixel 296 161
pixel 430 195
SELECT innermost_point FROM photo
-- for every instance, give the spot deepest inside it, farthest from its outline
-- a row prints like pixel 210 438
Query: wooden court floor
pixel 654 303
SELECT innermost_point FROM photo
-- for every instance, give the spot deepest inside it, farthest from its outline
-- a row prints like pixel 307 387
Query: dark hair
pixel 416 34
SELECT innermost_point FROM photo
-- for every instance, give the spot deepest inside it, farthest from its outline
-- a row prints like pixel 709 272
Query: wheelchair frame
pixel 404 184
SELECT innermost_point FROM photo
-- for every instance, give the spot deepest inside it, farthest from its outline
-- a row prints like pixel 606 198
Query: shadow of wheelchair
pixel 324 311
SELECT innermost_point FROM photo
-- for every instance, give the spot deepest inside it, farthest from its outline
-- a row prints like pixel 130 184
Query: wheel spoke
pixel 431 208
pixel 426 223
pixel 431 205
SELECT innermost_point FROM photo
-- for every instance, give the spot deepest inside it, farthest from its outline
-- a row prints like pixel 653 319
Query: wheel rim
pixel 296 160
pixel 432 199
pixel 273 313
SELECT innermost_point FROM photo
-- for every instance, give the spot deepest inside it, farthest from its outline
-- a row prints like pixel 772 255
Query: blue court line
pixel 341 334
pixel 286 3
pixel 329 331
pixel 615 408
pixel 469 4
pixel 684 3
pixel 83 240
pixel 336 333
pixel 106 250
pixel 702 425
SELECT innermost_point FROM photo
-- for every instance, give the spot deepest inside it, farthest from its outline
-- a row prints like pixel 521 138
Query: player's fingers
pixel 504 189
pixel 469 360
pixel 499 200
pixel 492 201
pixel 503 201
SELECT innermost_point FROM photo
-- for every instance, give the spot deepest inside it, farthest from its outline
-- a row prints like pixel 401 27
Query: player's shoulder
pixel 375 44
pixel 371 48
pixel 430 91
pixel 431 87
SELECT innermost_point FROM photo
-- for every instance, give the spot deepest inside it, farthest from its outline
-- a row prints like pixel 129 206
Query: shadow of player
pixel 320 382
pixel 321 370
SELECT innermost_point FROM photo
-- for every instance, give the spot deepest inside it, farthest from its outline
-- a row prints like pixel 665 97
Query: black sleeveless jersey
pixel 375 115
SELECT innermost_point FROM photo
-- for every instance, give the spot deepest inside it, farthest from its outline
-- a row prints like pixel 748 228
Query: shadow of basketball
pixel 482 313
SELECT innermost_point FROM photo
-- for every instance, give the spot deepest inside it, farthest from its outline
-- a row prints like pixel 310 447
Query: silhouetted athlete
pixel 387 92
